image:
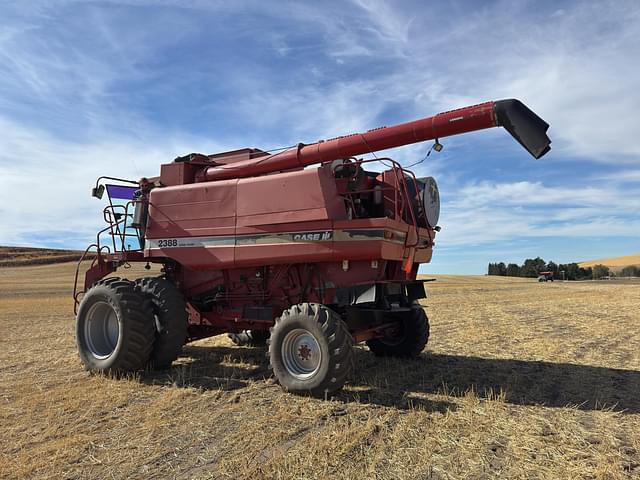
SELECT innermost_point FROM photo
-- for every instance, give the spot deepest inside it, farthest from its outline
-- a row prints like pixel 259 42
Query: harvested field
pixel 519 380
pixel 22 256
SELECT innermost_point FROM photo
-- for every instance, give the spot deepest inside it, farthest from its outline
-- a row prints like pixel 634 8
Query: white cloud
pixel 575 67
pixel 527 194
pixel 63 122
pixel 45 183
pixel 488 212
pixel 622 176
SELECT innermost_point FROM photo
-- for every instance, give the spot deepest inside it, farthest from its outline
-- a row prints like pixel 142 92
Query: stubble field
pixel 519 380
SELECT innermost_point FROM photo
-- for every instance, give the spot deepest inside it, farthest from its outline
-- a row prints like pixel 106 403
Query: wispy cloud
pixel 621 176
pixel 46 182
pixel 89 88
pixel 488 212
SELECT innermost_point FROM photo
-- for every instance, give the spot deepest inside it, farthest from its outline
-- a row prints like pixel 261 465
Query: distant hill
pixel 23 256
pixel 615 263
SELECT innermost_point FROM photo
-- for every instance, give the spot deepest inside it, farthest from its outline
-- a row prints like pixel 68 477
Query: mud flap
pixel 376 293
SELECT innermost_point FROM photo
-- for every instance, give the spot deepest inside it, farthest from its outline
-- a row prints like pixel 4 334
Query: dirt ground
pixel 519 380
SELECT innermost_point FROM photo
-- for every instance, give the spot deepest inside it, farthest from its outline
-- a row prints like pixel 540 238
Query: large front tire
pixel 171 319
pixel 114 330
pixel 410 338
pixel 310 350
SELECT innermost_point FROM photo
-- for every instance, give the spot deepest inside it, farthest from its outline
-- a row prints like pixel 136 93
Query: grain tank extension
pixel 253 244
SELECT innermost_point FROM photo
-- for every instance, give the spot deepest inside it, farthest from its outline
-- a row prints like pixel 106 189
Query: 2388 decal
pixel 168 242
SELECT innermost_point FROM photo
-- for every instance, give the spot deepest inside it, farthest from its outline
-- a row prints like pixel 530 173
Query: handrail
pixel 118 227
pixel 97 258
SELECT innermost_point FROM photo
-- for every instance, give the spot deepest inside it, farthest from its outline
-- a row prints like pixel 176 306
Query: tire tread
pixel 339 342
pixel 138 333
pixel 168 303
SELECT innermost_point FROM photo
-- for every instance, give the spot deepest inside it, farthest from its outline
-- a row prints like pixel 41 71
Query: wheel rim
pixel 396 336
pixel 101 330
pixel 301 354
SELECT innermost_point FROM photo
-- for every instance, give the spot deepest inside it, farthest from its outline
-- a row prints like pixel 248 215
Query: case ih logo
pixel 312 236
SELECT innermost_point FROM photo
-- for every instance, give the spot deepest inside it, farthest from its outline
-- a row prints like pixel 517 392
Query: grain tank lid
pixel 222 158
pixel 225 158
pixel 524 125
pixel 192 158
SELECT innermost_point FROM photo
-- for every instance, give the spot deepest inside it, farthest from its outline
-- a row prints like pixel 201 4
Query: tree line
pixel 532 267
pixel 630 271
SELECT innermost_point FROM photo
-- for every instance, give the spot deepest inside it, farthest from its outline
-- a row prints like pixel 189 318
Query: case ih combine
pixel 310 260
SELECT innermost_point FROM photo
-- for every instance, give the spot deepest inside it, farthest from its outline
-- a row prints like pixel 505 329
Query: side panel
pixel 301 201
pixel 293 217
pixel 193 210
pixel 193 224
pixel 301 196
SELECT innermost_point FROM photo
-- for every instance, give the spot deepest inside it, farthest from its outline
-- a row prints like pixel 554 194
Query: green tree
pixel 571 270
pixel 532 267
pixel 513 270
pixel 630 271
pixel 502 269
pixel 600 271
pixel 584 273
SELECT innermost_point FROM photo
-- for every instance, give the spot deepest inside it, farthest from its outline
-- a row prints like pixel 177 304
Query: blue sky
pixel 89 88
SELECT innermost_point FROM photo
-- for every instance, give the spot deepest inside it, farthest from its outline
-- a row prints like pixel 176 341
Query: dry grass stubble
pixel 519 380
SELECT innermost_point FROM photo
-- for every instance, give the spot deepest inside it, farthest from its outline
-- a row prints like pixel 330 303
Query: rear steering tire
pixel 411 338
pixel 113 328
pixel 310 350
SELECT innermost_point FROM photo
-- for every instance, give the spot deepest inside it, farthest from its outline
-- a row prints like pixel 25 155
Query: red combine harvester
pixel 308 260
pixel 545 277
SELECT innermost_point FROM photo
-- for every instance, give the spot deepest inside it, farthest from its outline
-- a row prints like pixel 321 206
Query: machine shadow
pixel 520 382
pixel 213 368
pixel 400 383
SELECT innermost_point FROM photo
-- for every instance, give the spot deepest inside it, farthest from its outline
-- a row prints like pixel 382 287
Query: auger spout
pixel 522 123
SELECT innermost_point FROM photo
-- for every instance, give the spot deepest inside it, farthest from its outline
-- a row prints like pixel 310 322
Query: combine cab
pixel 307 260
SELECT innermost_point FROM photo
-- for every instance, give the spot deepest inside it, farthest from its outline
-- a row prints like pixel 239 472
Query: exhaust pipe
pixel 525 126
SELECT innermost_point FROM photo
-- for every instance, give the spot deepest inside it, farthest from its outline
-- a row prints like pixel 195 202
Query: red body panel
pixel 193 210
pixel 268 200
pixel 250 222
